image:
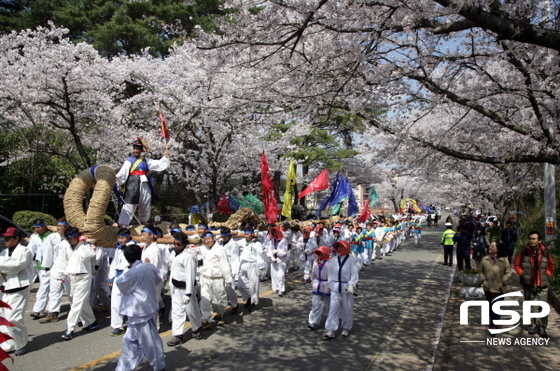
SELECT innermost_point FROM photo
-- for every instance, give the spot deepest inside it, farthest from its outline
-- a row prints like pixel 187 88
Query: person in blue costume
pixel 368 237
pixel 138 189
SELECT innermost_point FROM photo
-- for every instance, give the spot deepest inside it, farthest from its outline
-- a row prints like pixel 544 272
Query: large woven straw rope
pixel 92 223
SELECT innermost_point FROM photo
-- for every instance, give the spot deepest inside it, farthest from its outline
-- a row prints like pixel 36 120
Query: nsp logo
pixel 497 307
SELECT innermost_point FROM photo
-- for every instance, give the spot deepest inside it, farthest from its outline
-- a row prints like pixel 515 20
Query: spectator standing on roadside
pixel 494 232
pixel 480 245
pixel 509 238
pixel 495 273
pixel 463 240
pixel 535 265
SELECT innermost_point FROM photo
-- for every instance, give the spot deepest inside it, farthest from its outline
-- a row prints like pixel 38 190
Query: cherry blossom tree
pixel 60 90
pixel 491 66
pixel 217 122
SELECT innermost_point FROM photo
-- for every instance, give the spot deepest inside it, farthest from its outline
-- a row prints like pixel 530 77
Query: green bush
pixel 25 219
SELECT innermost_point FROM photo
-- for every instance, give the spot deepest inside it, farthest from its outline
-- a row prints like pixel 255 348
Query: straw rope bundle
pixel 92 223
pixel 244 214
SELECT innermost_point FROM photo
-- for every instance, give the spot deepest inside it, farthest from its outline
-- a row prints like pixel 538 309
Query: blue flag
pixel 352 205
pixel 343 190
pixel 340 189
pixel 328 200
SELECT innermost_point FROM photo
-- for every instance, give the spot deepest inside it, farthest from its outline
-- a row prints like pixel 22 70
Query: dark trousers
pixel 461 258
pixel 490 296
pixel 532 293
pixel 448 254
pixel 509 253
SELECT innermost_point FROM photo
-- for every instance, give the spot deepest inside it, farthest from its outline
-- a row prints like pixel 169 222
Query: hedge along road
pixel 397 320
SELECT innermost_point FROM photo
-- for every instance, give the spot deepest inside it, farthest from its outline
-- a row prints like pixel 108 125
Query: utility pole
pixel 549 204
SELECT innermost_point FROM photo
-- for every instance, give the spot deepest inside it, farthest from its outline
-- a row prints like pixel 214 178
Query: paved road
pixel 398 321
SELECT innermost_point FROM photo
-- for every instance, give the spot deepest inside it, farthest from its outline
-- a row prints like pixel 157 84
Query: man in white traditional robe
pixel 140 304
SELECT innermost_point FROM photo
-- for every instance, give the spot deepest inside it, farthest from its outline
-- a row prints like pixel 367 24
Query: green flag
pixel 372 196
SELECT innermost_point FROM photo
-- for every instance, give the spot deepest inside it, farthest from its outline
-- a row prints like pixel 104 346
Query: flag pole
pixel 163 127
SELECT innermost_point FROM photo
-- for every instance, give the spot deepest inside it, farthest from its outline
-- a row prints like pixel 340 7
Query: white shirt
pixel 138 288
pixel 252 253
pixel 81 259
pixel 153 165
pixel 42 249
pixel 232 252
pixel 119 262
pixel 153 253
pixel 183 268
pixel 56 240
pixel 307 248
pixel 17 270
pixel 280 248
pixel 59 266
pixel 165 256
pixel 348 273
pixel 215 263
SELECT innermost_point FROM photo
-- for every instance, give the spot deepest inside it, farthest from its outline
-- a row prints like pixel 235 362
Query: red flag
pixel 3 356
pixel 164 134
pixel 269 196
pixel 5 322
pixel 321 182
pixel 366 213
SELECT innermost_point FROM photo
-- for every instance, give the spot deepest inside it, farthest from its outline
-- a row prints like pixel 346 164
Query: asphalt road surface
pixel 397 324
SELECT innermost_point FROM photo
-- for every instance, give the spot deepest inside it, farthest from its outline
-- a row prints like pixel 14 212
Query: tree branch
pixel 520 30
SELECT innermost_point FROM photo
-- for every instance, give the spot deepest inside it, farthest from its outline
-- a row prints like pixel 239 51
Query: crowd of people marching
pixel 203 279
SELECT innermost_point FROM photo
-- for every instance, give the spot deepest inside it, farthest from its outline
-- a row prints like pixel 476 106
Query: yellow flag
pixel 289 194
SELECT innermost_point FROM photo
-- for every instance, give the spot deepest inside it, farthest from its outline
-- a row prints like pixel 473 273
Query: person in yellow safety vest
pixel 447 243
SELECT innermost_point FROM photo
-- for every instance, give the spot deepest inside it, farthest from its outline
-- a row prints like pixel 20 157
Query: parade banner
pixel 409 205
pixel 318 184
pixel 366 213
pixel 164 133
pixel 372 196
pixel 223 205
pixel 255 203
pixel 342 191
pixel 352 203
pixel 233 203
pixel 328 200
pixel 290 186
pixel 268 193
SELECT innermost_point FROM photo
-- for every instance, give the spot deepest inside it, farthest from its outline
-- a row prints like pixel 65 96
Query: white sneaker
pixel 344 332
pixel 329 335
